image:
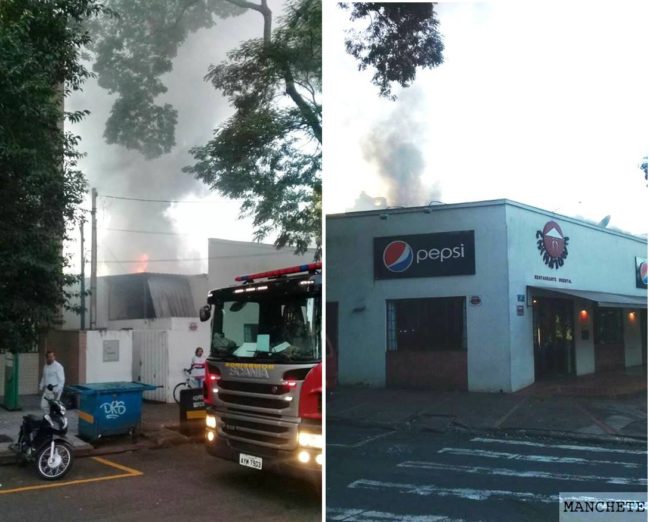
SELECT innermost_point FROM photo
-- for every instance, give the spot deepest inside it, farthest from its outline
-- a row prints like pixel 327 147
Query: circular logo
pixel 643 272
pixel 398 256
pixel 553 239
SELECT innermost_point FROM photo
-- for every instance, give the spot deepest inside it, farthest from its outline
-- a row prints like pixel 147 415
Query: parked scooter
pixel 42 440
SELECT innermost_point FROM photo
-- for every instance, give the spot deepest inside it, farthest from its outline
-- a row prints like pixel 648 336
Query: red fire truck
pixel 263 382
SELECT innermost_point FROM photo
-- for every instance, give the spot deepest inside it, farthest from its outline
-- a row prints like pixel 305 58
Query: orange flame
pixel 143 262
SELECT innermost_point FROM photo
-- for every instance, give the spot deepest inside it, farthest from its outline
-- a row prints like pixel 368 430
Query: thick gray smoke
pixel 394 146
pixel 114 170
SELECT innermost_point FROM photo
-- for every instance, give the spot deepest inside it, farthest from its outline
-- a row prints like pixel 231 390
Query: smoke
pixel 117 171
pixel 394 148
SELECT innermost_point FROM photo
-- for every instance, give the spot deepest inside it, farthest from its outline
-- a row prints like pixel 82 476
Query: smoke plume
pixel 394 147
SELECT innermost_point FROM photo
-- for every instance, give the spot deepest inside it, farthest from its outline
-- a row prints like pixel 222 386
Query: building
pixel 488 296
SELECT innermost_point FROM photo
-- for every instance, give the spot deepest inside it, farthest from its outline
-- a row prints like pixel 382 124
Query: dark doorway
pixel 332 343
pixel 553 337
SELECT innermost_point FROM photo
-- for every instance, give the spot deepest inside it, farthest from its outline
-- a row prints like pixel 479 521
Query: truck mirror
pixel 204 313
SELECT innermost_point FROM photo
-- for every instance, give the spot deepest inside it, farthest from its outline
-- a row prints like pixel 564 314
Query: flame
pixel 143 262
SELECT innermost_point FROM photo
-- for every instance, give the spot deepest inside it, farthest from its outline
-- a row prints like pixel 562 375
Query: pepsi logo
pixel 398 256
pixel 643 272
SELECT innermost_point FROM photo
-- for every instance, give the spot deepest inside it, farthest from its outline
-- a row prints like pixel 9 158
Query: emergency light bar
pixel 281 271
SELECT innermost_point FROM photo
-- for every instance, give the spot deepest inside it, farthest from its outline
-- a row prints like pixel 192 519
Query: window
pixel 608 325
pixel 426 324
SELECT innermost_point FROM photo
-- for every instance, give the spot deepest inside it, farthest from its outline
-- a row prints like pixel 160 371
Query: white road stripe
pixel 362 442
pixel 559 446
pixel 366 515
pixel 545 459
pixel 626 481
pixel 466 493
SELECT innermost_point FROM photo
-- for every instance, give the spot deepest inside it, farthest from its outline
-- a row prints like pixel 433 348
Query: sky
pixel 544 103
pixel 184 228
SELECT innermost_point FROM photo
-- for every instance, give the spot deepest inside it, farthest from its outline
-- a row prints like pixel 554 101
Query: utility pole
pixel 93 263
pixel 82 297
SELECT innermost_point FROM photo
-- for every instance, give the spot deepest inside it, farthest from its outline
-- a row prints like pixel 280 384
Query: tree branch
pixel 264 10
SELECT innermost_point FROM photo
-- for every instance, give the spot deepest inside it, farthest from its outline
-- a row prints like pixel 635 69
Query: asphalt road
pixel 178 483
pixel 414 476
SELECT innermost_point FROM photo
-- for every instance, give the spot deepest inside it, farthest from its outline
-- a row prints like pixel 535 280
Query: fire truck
pixel 263 380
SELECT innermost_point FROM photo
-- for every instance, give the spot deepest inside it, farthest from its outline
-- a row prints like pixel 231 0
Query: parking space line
pixel 130 472
pixel 362 442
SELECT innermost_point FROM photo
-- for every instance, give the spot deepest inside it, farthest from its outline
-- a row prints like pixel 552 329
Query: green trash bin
pixel 12 367
pixel 109 408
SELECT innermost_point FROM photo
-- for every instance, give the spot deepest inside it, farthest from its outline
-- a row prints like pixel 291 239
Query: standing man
pixel 197 368
pixel 52 381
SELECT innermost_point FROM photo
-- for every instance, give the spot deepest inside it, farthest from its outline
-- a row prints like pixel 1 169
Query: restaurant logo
pixel 552 245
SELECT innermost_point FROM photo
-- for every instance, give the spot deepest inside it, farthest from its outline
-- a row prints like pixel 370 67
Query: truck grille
pixel 243 400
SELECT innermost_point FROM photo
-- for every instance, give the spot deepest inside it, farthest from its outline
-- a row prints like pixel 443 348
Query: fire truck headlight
pixel 211 436
pixel 310 440
pixel 319 459
pixel 304 457
pixel 211 421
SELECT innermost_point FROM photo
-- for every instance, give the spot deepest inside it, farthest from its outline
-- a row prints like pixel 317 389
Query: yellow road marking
pixel 130 473
pixel 86 416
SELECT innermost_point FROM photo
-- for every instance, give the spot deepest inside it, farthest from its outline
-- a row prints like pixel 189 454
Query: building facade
pixel 488 296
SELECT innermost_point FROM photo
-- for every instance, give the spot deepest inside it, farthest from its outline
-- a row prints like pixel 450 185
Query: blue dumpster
pixel 109 408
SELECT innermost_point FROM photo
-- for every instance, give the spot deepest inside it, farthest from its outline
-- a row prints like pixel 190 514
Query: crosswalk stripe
pixel 532 458
pixel 466 493
pixel 559 446
pixel 367 515
pixel 523 474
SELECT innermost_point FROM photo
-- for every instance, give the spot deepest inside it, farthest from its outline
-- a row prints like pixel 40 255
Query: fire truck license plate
pixel 249 461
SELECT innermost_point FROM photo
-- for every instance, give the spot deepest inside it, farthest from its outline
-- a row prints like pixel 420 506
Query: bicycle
pixel 188 384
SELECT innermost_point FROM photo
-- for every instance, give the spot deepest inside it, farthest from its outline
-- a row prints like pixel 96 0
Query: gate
pixel 151 362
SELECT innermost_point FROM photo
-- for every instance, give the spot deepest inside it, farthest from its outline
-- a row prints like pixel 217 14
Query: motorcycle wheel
pixel 53 465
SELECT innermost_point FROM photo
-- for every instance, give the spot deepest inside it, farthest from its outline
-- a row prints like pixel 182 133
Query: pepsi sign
pixel 424 255
pixel 641 272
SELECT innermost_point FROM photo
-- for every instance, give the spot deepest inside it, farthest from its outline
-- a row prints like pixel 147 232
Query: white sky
pixel 544 103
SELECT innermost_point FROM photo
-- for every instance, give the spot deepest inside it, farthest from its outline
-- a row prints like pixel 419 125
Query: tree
pixel 644 167
pixel 399 38
pixel 40 186
pixel 268 152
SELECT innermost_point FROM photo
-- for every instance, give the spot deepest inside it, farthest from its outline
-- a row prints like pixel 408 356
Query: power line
pixel 124 198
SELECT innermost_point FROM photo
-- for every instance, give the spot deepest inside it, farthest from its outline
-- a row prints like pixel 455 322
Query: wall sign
pixel 641 272
pixel 424 255
pixel 111 352
pixel 552 245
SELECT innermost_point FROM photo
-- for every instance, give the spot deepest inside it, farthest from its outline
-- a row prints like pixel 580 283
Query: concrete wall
pixel 362 300
pixel 99 370
pixel 28 373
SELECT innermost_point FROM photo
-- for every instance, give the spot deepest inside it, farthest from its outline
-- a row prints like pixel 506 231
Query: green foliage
pixel 40 186
pixel 133 49
pixel 268 153
pixel 400 38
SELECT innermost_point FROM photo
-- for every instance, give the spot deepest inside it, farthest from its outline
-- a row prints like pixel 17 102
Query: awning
pixel 603 299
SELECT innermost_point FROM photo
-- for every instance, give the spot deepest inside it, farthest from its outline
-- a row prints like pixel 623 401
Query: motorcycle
pixel 42 441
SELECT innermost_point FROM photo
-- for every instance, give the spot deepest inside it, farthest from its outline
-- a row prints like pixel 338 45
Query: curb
pixel 458 427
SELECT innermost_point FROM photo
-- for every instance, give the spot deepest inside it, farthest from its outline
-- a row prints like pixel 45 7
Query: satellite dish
pixel 605 221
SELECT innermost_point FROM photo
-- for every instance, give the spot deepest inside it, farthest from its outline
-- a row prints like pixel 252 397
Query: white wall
pixel 598 260
pixel 229 259
pixel 585 354
pixel 98 370
pixel 632 338
pixel 362 300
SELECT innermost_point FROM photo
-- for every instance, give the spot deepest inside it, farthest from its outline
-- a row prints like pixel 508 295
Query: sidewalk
pixel 547 411
pixel 159 428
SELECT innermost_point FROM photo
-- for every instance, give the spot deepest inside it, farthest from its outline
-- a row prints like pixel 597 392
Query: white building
pixel 488 296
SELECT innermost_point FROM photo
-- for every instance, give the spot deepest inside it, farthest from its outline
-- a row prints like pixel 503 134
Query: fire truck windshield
pixel 282 330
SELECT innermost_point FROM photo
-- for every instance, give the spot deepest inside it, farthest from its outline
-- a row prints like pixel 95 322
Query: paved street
pixel 376 474
pixel 178 483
